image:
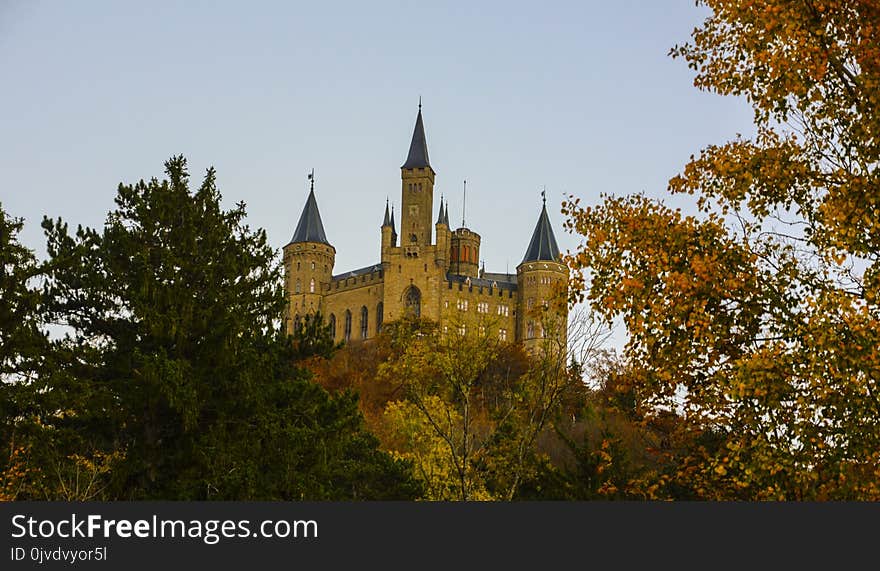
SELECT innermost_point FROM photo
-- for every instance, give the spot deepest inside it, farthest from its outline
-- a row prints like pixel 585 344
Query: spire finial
pixel 312 180
pixel 544 195
pixel 420 103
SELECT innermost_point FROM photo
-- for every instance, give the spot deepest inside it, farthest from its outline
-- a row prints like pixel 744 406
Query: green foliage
pixel 176 380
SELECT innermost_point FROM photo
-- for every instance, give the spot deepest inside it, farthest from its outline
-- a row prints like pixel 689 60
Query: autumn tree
pixel 757 324
pixel 471 407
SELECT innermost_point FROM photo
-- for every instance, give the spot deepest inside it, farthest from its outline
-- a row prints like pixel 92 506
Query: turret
pixel 308 262
pixel 417 190
pixel 542 281
pixel 464 253
pixel 441 230
pixel 389 235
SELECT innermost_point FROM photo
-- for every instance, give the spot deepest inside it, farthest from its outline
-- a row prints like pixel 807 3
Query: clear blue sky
pixel 580 97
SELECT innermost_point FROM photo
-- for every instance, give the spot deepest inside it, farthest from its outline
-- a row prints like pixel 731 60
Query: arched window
pixel 297 321
pixel 412 301
pixel 364 322
pixel 379 309
pixel 332 324
pixel 312 286
pixel 347 331
pixel 297 266
pixel 530 330
pixel 466 255
pixel 298 288
pixel 313 265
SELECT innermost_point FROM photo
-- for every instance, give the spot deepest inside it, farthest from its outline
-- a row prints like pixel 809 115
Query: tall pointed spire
pixel 387 221
pixel 543 244
pixel 310 228
pixel 393 229
pixel 440 214
pixel 418 148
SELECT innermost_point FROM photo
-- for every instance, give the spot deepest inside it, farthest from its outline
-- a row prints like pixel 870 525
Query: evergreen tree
pixel 176 378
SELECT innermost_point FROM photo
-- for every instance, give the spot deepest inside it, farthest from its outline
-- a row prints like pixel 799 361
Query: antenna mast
pixel 464 203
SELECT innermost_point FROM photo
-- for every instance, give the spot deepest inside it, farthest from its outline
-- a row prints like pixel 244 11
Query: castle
pixel 437 278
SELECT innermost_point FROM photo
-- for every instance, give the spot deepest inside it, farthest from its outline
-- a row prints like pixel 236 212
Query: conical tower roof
pixel 310 228
pixel 543 244
pixel 418 148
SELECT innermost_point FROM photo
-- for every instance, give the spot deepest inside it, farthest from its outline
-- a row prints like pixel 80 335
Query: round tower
pixel 542 285
pixel 464 257
pixel 308 263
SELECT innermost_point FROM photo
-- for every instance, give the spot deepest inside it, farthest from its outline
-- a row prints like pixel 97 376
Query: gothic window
pixel 332 326
pixel 412 301
pixel 379 309
pixel 502 334
pixel 462 330
pixel 420 187
pixel 530 330
pixel 298 288
pixel 346 335
pixel 297 266
pixel 297 321
pixel 313 265
pixel 312 286
pixel 364 322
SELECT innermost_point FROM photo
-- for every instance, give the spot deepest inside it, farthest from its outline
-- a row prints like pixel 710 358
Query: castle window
pixel 483 307
pixel 502 334
pixel 462 330
pixel 379 310
pixel 332 326
pixel 446 304
pixel 346 335
pixel 503 310
pixel 313 265
pixel 530 330
pixel 412 301
pixel 297 322
pixel 297 266
pixel 298 288
pixel 312 286
pixel 531 303
pixel 420 187
pixel 462 305
pixel 364 322
pixel 482 330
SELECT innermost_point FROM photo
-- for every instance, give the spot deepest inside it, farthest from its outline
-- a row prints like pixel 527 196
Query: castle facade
pixel 432 272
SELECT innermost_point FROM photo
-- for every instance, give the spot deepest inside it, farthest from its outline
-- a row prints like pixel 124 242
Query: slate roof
pixel 358 272
pixel 543 244
pixel 310 228
pixel 418 148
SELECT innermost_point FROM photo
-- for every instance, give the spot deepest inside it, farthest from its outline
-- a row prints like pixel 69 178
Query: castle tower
pixel 308 262
pixel 417 190
pixel 389 235
pixel 441 230
pixel 464 255
pixel 542 281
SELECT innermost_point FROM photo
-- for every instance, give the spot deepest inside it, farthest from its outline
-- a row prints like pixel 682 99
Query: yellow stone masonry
pixel 438 279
